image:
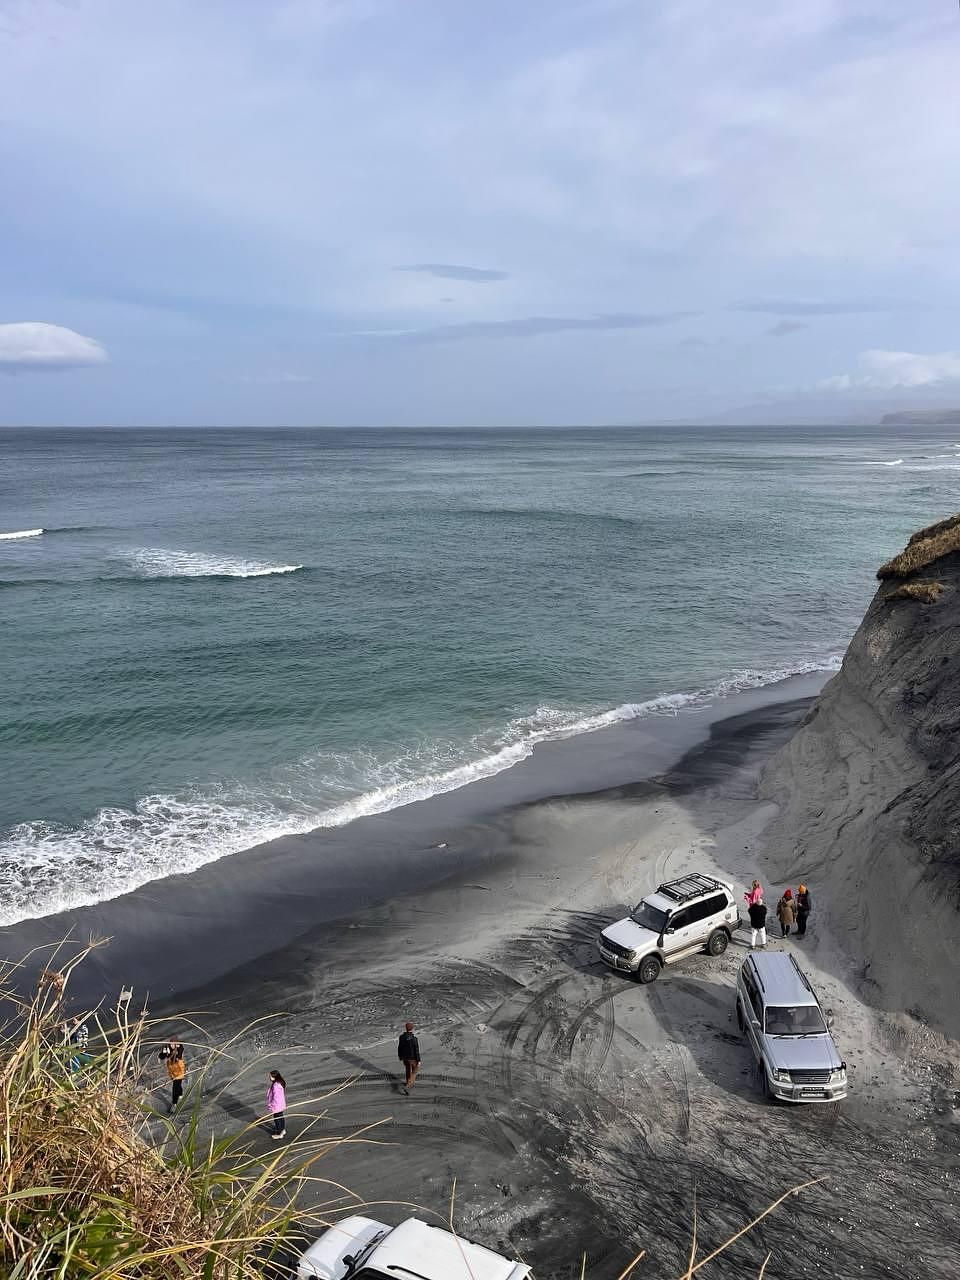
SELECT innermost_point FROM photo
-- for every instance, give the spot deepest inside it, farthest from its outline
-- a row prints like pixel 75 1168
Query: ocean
pixel 211 638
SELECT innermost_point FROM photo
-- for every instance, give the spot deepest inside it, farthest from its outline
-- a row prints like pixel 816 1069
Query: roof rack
pixel 690 886
pixel 803 977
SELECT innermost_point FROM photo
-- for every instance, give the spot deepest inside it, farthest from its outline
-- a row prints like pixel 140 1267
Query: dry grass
pixel 94 1183
pixel 923 548
pixel 927 592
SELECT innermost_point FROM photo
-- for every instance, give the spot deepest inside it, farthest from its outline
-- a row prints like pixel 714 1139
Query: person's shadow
pixel 368 1068
pixel 239 1109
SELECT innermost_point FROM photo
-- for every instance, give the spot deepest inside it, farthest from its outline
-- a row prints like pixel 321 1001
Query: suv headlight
pixel 782 1076
pixel 838 1076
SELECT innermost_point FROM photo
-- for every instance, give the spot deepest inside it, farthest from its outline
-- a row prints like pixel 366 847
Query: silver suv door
pixel 681 932
pixel 753 1013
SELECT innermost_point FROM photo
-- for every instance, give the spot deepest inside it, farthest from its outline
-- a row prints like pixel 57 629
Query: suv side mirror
pixel 829 1017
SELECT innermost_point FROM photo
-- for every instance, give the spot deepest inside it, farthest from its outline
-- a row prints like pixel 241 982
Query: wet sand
pixel 577 1112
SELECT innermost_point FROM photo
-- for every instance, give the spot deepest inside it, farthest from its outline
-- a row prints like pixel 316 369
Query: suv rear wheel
pixel 717 942
pixel 649 969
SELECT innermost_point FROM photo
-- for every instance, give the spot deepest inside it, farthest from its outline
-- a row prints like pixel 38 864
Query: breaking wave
pixel 22 533
pixel 155 562
pixel 50 867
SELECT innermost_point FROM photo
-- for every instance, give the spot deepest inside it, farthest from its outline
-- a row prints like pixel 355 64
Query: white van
pixel 364 1249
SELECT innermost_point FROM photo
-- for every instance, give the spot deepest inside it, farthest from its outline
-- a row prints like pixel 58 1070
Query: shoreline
pixel 186 931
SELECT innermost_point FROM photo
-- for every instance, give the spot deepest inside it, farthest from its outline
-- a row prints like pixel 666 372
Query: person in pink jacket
pixel 277 1104
pixel 755 894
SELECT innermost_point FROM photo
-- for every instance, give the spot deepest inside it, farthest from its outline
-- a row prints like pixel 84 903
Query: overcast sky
pixel 444 212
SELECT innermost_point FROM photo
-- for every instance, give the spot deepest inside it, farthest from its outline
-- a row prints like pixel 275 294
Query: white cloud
pixel 34 345
pixel 889 370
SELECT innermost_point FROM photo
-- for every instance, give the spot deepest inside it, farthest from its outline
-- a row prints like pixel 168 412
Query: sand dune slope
pixel 869 788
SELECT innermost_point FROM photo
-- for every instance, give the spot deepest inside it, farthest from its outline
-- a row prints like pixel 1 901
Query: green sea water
pixel 223 636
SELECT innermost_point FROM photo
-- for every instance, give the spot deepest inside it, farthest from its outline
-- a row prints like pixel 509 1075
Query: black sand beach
pixel 577 1113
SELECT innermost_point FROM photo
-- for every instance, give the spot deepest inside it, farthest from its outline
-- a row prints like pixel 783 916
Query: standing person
pixel 77 1036
pixel 754 895
pixel 786 912
pixel 758 923
pixel 408 1051
pixel 804 907
pixel 277 1104
pixel 172 1055
pixel 80 1034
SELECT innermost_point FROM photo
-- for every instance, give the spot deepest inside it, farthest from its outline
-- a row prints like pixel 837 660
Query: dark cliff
pixel 869 788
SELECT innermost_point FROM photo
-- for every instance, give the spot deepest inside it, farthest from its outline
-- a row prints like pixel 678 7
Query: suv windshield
pixel 649 917
pixel 794 1020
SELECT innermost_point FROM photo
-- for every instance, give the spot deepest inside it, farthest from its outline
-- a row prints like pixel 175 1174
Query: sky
pixel 441 213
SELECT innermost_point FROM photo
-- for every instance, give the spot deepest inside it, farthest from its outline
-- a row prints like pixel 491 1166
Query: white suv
pixel 694 913
pixel 367 1250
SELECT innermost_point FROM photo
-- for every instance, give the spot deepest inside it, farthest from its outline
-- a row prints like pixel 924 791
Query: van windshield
pixel 794 1020
pixel 648 917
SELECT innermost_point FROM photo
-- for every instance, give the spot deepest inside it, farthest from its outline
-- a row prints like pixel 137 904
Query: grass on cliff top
pixel 924 547
pixel 925 592
pixel 96 1185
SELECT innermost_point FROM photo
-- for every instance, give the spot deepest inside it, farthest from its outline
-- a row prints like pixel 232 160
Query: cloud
pixel 531 326
pixel 450 271
pixel 772 154
pixel 892 370
pixel 31 345
pixel 784 327
pixel 797 307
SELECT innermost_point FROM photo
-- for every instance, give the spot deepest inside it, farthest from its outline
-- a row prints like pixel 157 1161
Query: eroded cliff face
pixel 869 789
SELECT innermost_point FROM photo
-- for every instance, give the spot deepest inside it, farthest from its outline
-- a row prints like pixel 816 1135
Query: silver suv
pixel 788 1031
pixel 694 913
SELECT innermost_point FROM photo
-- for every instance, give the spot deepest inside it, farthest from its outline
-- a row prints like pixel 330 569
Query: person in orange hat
pixel 804 907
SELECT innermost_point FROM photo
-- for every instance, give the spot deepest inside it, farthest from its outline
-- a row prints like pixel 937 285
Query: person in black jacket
pixel 758 923
pixel 408 1051
pixel 804 907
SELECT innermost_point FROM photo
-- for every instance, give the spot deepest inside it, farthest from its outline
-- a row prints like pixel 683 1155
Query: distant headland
pixel 922 418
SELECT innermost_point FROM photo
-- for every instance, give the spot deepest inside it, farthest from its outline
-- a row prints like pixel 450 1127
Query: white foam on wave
pixel 953 465
pixel 49 868
pixel 155 562
pixel 22 533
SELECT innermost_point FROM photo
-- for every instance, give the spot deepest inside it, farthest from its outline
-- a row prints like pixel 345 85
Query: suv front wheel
pixel 649 969
pixel 717 942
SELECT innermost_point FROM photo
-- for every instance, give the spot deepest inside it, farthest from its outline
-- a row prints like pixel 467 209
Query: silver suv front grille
pixel 615 947
pixel 810 1077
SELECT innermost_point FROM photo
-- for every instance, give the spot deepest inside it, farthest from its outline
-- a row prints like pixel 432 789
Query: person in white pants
pixel 758 923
